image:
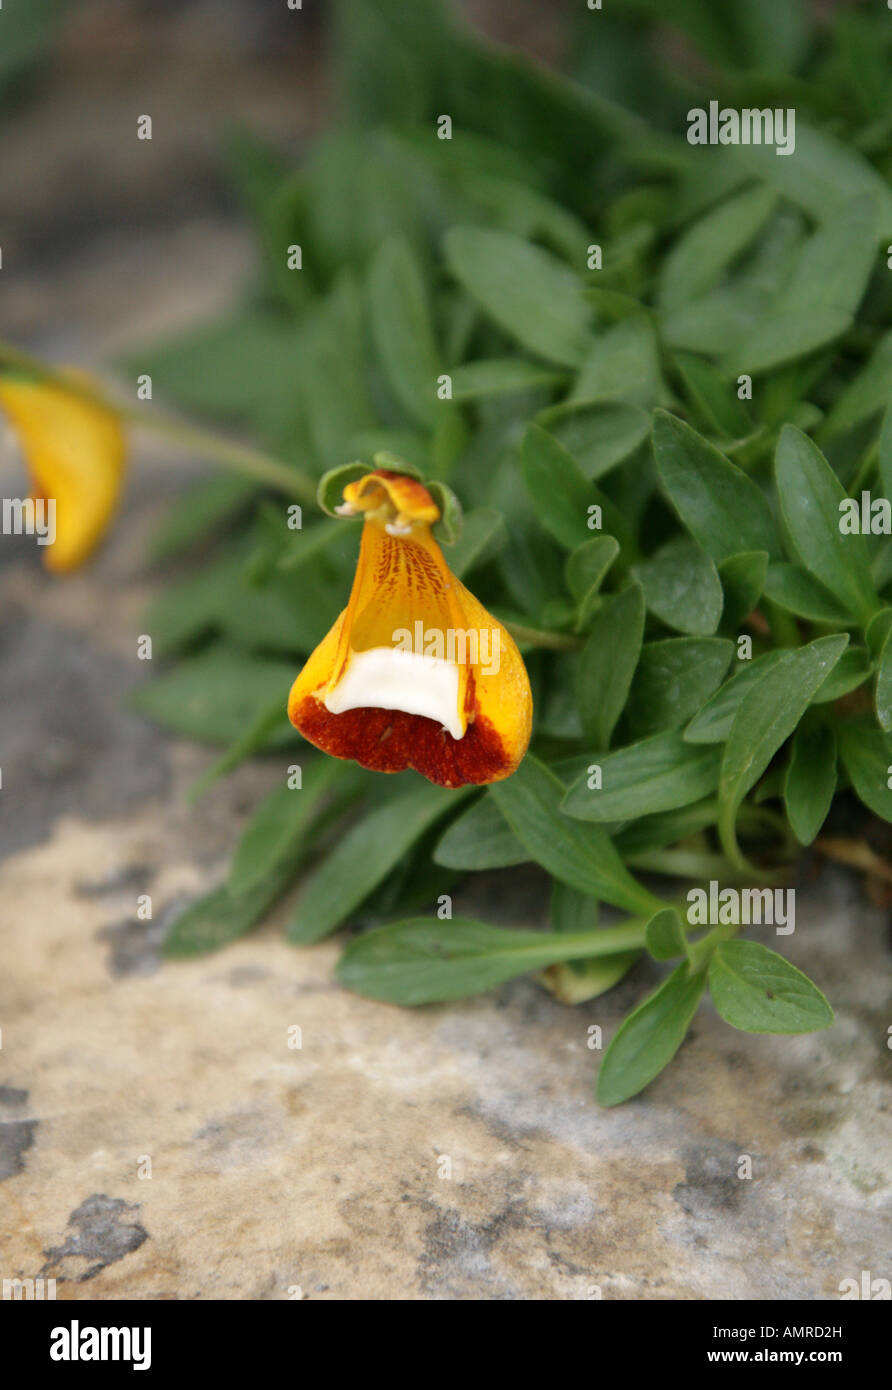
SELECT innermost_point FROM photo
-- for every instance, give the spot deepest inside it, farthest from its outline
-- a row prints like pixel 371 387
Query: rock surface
pixel 159 1138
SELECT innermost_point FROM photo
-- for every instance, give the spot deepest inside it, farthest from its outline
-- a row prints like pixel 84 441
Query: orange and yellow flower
pixel 415 672
pixel 74 450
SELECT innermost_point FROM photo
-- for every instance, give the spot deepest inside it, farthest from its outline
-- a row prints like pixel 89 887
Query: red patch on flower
pixel 388 740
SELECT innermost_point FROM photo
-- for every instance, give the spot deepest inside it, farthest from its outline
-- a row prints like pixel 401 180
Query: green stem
pixel 682 863
pixel 700 952
pixel 540 637
pixel 239 457
pixel 604 941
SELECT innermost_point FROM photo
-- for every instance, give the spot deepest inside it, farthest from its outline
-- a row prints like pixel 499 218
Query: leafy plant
pixel 710 651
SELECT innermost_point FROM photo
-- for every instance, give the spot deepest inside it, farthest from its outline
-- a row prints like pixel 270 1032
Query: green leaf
pixel 779 340
pixel 657 774
pixel 819 302
pixel 867 392
pixel 664 935
pixel 758 991
pixel 876 634
pixel 402 329
pixel 530 293
pixel 332 403
pixel 884 451
pixel 501 376
pixel 599 435
pixel 558 489
pixel 810 494
pixel 674 678
pixel 737 40
pixel 824 175
pixel 530 563
pixel 607 664
pixel 288 616
pixel 282 823
pixel 835 264
pixel 199 512
pixel 722 508
pixel 712 723
pixel 665 828
pixel 221 916
pixel 581 855
pixel 884 687
pixel 866 754
pixel 622 365
pixel 769 38
pixel 313 542
pixel 187 609
pixel 223 597
pixel 698 258
pixel 682 587
pixel 365 856
pixel 216 695
pixel 246 366
pixel 650 1037
pixel 743 580
pixel 811 780
pixel 420 961
pixel 273 200
pixel 714 396
pixel 482 536
pixel 572 911
pixel 585 570
pixel 480 838
pixel 767 715
pixel 719 319
pixel 851 671
pixel 797 591
pixel 271 725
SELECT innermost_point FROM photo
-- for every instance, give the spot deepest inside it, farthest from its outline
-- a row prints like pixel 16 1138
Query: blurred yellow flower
pixel 415 672
pixel 74 451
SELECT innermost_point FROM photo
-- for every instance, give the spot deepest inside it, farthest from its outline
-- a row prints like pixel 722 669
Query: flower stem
pixel 239 457
pixel 252 462
pixel 540 637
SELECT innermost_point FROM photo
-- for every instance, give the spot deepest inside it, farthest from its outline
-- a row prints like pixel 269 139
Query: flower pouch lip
pixel 415 673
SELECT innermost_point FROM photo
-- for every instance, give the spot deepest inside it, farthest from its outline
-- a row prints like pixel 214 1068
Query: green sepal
pixel 448 529
pixel 330 492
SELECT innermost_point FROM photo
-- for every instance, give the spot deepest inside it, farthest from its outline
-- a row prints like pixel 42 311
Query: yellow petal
pixel 415 672
pixel 74 451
